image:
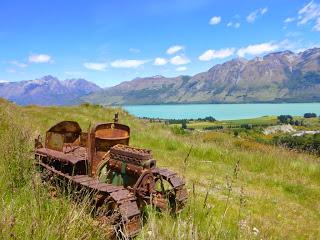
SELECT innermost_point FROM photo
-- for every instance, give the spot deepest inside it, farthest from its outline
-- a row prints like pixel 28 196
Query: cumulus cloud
pixel 40 58
pixel 96 66
pixel 255 14
pixel 232 24
pixel 179 60
pixel 317 26
pixel 181 69
pixel 134 50
pixel 3 81
pixel 132 63
pixel 310 13
pixel 160 61
pixel 18 64
pixel 212 54
pixel 289 20
pixel 215 20
pixel 236 25
pixel 257 49
pixel 174 49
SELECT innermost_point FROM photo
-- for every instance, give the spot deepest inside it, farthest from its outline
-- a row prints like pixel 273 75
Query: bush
pixel 178 131
pixel 246 126
pixel 308 142
pixel 310 115
pixel 177 121
pixel 285 118
pixel 213 128
pixel 207 119
pixel 184 125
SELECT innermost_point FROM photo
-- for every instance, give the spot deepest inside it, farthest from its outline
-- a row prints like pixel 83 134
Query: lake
pixel 221 111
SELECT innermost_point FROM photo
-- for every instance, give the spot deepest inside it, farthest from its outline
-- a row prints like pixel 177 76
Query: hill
pixel 47 90
pixel 276 77
pixel 238 189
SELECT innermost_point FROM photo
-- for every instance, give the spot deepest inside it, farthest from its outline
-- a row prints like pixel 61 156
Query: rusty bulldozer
pixel 123 179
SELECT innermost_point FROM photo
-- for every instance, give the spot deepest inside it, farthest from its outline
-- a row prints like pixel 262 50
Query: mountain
pixel 47 90
pixel 276 77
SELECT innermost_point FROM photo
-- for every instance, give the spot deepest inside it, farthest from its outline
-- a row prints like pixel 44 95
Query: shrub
pixel 285 118
pixel 184 125
pixel 178 131
pixel 207 119
pixel 310 115
pixel 246 126
pixel 213 128
pixel 308 142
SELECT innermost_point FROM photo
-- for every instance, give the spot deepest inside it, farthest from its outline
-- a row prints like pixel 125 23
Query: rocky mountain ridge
pixel 47 90
pixel 277 77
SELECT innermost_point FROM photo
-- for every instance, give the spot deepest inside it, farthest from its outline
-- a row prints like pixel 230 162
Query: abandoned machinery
pixel 121 179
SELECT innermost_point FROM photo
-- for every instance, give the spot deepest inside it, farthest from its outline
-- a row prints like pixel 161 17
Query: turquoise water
pixel 221 111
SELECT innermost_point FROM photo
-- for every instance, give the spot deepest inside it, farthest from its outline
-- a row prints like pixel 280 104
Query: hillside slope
pixel 277 77
pixel 47 90
pixel 272 193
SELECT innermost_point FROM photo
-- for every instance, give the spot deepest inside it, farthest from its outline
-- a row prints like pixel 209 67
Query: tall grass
pixel 28 211
pixel 275 194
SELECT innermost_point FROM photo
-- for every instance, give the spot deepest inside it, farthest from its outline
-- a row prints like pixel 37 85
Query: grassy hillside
pixel 238 189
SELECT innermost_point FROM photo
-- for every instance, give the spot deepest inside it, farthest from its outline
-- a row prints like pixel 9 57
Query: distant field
pixel 261 121
pixel 239 189
pixel 256 121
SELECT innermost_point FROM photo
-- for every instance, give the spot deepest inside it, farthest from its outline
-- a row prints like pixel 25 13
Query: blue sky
pixel 108 42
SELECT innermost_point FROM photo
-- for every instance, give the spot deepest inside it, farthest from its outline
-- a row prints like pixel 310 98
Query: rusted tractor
pixel 121 178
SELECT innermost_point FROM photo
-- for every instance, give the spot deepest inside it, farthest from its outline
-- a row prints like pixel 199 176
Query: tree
pixel 210 119
pixel 285 118
pixel 310 115
pixel 184 125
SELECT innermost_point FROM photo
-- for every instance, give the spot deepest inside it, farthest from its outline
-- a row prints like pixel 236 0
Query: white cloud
pixel 3 81
pixel 179 60
pixel 127 63
pixel 96 66
pixel 160 61
pixel 18 64
pixel 11 70
pixel 263 11
pixel 212 54
pixel 289 20
pixel 317 26
pixel 215 20
pixel 181 69
pixel 40 58
pixel 310 13
pixel 256 13
pixel 257 49
pixel 235 25
pixel 134 50
pixel 174 49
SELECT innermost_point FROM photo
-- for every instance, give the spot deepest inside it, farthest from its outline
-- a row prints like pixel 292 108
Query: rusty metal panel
pixel 176 181
pixel 83 180
pixel 129 209
pixel 54 141
pixel 120 195
pixel 66 126
pixel 182 194
pixel 89 183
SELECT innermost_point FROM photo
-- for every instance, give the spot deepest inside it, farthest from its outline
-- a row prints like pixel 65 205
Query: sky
pixel 111 41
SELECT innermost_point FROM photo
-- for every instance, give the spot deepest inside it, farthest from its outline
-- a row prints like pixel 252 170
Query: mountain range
pixel 47 90
pixel 277 77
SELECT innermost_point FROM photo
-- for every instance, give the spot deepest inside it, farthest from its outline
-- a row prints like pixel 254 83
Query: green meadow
pixel 238 188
